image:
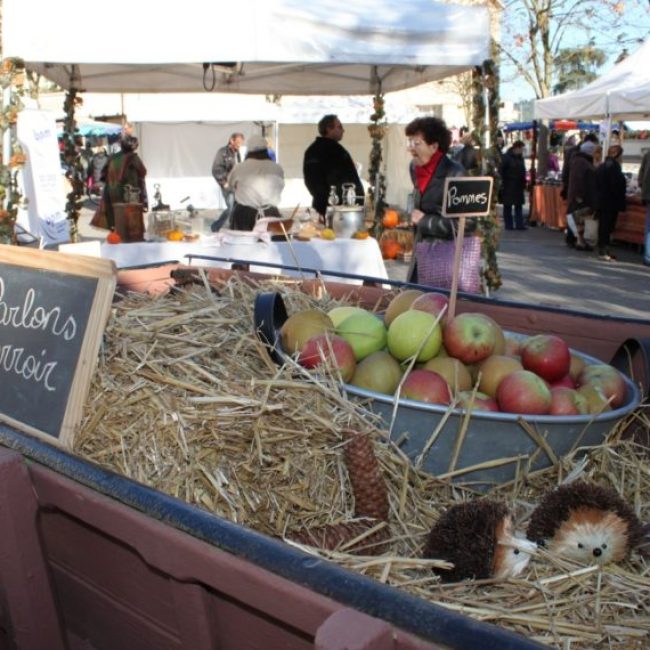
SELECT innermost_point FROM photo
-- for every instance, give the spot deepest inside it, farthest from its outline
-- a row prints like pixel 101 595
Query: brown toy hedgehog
pixel 478 538
pixel 585 522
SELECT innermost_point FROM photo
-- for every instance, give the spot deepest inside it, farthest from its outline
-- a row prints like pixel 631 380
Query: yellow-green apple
pixel 365 332
pixel 379 372
pixel 339 314
pixel 596 400
pixel 400 303
pixel 432 302
pixel 567 401
pixel 493 369
pixel 470 337
pixel 524 392
pixel 331 350
pixel 577 364
pixel 452 371
pixel 414 333
pixel 607 379
pixel 426 386
pixel 481 402
pixel 546 355
pixel 301 326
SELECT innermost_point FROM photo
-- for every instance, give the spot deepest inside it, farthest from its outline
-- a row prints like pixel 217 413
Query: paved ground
pixel 537 267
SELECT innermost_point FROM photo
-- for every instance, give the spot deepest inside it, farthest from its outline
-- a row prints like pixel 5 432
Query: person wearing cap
pixel 327 163
pixel 257 184
pixel 513 186
pixel 582 195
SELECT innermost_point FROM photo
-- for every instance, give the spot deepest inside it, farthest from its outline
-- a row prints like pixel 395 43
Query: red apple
pixel 524 392
pixel 546 355
pixel 607 379
pixel 433 303
pixel 567 401
pixel 452 371
pixel 482 402
pixel 326 348
pixel 563 382
pixel 495 368
pixel 470 337
pixel 426 386
pixel 500 343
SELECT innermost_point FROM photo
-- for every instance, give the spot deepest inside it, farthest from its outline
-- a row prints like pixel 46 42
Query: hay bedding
pixel 186 400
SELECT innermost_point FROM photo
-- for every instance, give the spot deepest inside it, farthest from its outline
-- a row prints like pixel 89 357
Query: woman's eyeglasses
pixel 411 143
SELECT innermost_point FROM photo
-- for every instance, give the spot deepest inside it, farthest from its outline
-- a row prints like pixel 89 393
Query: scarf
pixel 423 173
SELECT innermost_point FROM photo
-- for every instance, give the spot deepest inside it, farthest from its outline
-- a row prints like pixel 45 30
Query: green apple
pixel 339 314
pixel 365 332
pixel 414 332
pixel 379 372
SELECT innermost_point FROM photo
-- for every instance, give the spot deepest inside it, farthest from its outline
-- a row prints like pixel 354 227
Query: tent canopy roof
pixel 283 47
pixel 622 92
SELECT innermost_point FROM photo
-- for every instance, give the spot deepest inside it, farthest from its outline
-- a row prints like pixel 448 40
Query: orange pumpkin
pixel 390 249
pixel 113 238
pixel 391 218
pixel 175 235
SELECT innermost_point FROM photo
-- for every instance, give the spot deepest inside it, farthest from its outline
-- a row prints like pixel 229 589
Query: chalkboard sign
pixel 467 196
pixel 53 309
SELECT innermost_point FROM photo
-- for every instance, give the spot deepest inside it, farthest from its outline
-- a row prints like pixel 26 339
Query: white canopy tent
pixel 286 47
pixel 623 93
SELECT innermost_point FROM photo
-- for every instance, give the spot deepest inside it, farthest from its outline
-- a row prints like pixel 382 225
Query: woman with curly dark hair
pixel 428 140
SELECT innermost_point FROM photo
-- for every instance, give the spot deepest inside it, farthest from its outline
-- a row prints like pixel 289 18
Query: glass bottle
pixel 333 198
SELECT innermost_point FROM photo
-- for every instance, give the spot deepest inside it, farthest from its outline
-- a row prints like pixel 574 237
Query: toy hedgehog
pixel 477 537
pixel 585 522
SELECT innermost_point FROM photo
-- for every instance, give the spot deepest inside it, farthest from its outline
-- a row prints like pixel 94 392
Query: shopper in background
pixel 644 185
pixel 611 185
pixel 513 186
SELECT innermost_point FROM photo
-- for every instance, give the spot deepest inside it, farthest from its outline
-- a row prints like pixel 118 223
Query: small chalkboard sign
pixel 467 196
pixel 53 310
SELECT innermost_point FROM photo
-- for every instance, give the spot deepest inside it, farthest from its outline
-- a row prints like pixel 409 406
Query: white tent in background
pixel 281 47
pixel 622 93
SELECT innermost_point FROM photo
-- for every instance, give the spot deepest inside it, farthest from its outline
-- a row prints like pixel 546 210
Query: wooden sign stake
pixel 458 255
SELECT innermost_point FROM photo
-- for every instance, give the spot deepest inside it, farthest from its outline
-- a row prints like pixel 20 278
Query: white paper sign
pixel 45 216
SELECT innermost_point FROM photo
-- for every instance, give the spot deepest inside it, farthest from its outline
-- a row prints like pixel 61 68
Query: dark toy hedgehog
pixel 477 537
pixel 585 522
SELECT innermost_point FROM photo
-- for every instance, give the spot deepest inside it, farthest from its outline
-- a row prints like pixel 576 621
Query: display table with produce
pixel 549 208
pixel 354 256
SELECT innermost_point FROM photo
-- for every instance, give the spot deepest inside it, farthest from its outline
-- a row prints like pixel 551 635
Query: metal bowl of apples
pixel 476 405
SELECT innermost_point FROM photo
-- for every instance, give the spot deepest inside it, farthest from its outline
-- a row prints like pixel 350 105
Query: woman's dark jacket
pixel 611 185
pixel 433 225
pixel 513 179
pixel 582 183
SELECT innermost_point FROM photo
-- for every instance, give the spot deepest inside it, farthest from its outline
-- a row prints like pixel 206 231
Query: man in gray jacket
pixel 227 157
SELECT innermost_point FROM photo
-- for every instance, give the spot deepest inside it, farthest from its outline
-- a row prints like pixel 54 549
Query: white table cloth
pixel 356 256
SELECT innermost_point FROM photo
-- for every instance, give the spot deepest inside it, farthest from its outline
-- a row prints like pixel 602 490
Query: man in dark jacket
pixel 582 194
pixel 227 157
pixel 513 186
pixel 327 163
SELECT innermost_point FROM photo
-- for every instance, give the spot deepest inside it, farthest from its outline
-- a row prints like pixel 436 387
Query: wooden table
pixel 630 225
pixel 549 208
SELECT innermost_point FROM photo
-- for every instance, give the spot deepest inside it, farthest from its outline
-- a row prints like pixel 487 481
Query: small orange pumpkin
pixel 175 235
pixel 113 238
pixel 391 218
pixel 390 249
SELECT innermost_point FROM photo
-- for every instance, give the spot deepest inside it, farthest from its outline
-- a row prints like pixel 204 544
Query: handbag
pixel 435 264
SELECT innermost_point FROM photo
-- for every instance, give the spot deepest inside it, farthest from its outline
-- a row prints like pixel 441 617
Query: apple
pixel 338 314
pixel 452 371
pixel 482 402
pixel 470 337
pixel 301 326
pixel 524 392
pixel 414 332
pixel 500 344
pixel 607 379
pixel 426 386
pixel 432 302
pixel 596 400
pixel 567 401
pixel 400 303
pixel 379 372
pixel 566 382
pixel 513 346
pixel 546 355
pixel 577 364
pixel 333 350
pixel 492 371
pixel 365 332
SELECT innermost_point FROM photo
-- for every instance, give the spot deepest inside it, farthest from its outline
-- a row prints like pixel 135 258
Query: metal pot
pixel 346 220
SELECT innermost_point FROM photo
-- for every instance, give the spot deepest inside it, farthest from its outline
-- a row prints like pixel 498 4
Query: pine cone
pixel 333 536
pixel 368 486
